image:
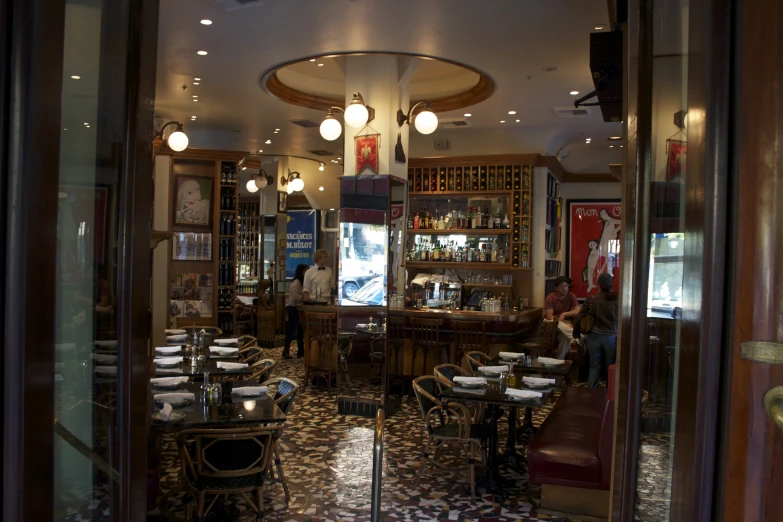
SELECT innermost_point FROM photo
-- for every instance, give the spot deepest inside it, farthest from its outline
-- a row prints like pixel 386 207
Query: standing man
pixel 318 279
pixel 601 342
pixel 560 304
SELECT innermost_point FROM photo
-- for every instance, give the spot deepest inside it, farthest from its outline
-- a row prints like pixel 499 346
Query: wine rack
pixel 227 248
pixel 248 246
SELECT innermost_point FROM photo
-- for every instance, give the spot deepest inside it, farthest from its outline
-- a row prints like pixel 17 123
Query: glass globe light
pixel 356 115
pixel 321 167
pixel 331 128
pixel 297 184
pixel 251 186
pixel 178 141
pixel 426 122
pixel 261 182
pixel 289 188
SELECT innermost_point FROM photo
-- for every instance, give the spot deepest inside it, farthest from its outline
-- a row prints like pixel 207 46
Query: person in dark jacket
pixel 601 342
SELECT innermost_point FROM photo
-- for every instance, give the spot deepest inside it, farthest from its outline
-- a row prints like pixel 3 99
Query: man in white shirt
pixel 318 277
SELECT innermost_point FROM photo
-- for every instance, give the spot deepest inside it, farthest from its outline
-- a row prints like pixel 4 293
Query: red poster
pixel 593 243
pixel 367 154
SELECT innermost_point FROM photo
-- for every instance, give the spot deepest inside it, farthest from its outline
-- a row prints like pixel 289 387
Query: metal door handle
pixel 773 404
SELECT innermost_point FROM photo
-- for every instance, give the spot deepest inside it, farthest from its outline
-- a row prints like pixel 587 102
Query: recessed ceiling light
pixel 268 142
pixel 517 121
pixel 340 158
pixel 548 69
pixel 467 115
pixel 312 59
pixel 274 132
pixel 502 121
pixel 195 99
pixel 574 93
pixel 277 130
pixel 599 27
pixel 331 209
pixel 76 77
pixel 192 117
pixel 195 95
pixel 197 79
pixel 86 123
pixel 512 112
pixel 65 129
pixel 201 53
pixel 621 146
pixel 614 138
pixel 196 83
pixel 321 189
pixel 88 126
pixel 320 65
pixel 206 22
pixel 611 146
pixel 244 168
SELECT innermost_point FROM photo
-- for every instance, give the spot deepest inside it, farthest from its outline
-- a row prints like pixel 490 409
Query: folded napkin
pixel 537 380
pixel 178 337
pixel 174 398
pixel 493 369
pixel 361 325
pixel 168 381
pixel 510 355
pixel 103 358
pixel 550 361
pixel 231 365
pixel 168 370
pixel 165 412
pixel 469 380
pixel 168 349
pixel 224 350
pixel 109 370
pixel 523 394
pixel 226 341
pixel 176 332
pixel 106 343
pixel 478 391
pixel 249 390
pixel 167 360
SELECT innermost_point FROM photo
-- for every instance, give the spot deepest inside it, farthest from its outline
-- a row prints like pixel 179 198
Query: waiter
pixel 318 279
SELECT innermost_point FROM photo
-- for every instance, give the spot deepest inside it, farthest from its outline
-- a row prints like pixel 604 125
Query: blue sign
pixel 300 240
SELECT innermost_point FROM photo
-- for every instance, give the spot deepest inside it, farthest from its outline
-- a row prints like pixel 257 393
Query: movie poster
pixel 593 243
pixel 300 240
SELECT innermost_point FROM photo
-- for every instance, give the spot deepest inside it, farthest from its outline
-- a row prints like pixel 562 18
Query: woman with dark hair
pixel 294 329
pixel 601 341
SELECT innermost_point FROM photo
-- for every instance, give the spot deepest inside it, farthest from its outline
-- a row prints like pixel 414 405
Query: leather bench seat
pixel 581 401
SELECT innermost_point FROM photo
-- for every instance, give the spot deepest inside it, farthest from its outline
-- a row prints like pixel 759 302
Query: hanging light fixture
pixel 257 181
pixel 321 167
pixel 357 114
pixel 425 122
pixel 177 140
pixel 293 182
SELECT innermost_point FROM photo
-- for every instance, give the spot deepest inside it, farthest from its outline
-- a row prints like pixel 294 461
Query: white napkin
pixel 168 381
pixel 231 365
pixel 537 380
pixel 249 390
pixel 165 412
pixel 224 350
pixel 361 325
pixel 479 391
pixel 469 380
pixel 174 398
pixel 510 355
pixel 550 361
pixel 176 332
pixel 103 358
pixel 168 349
pixel 168 370
pixel 109 370
pixel 106 343
pixel 493 369
pixel 178 337
pixel 226 341
pixel 167 360
pixel 523 394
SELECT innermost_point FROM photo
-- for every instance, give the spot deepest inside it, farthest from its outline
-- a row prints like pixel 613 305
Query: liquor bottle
pixel 506 222
pixel 476 223
pixel 483 254
pixel 441 223
pixel 524 259
pixel 525 231
pixel 410 221
pixel 491 179
pixel 411 182
pixel 436 252
pixel 417 186
pixel 526 205
pixel 469 224
pixel 494 254
pixel 425 180
pixel 499 183
pixel 497 220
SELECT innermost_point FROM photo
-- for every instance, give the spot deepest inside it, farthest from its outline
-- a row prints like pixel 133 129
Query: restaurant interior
pixel 463 184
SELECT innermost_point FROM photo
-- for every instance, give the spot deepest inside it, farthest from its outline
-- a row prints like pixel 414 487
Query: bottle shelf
pixel 460 231
pixel 461 266
pixel 463 193
pixel 487 285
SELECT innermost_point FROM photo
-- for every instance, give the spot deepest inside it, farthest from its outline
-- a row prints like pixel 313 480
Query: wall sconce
pixel 257 181
pixel 681 119
pixel 426 122
pixel 357 114
pixel 321 166
pixel 292 182
pixel 177 140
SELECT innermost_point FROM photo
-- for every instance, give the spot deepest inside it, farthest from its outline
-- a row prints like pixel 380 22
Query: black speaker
pixel 606 66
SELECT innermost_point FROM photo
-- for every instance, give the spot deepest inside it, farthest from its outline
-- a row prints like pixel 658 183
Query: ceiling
pixel 509 40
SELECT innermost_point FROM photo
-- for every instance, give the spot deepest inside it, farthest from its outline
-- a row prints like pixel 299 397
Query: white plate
pixel 174 416
pixel 176 403
pixel 467 386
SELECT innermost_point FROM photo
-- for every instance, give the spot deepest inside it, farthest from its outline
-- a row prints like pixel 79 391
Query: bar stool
pixel 321 360
pixel 426 336
pixel 469 336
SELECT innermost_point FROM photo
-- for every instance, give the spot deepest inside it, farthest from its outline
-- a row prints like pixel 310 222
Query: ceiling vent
pixel 570 112
pixel 233 5
pixel 307 124
pixel 454 123
pixel 322 153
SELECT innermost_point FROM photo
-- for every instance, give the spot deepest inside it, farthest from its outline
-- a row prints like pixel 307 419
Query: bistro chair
pixel 475 359
pixel 426 337
pixel 285 392
pixel 448 371
pixel 320 347
pixel 246 341
pixel 469 336
pixel 250 354
pixel 549 338
pixel 261 370
pixel 219 462
pixel 450 422
pixel 214 331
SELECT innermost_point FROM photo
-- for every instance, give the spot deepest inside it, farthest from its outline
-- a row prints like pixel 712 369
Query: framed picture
pixel 191 246
pixel 193 197
pixel 593 243
pixel 282 202
pixel 675 158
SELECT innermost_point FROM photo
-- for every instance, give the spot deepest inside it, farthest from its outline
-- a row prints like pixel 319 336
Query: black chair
pixel 285 393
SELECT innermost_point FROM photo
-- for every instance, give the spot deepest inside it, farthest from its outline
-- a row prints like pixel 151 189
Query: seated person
pixel 562 304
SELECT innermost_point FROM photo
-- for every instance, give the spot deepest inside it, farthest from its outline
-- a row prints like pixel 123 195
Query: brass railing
pixel 377 466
